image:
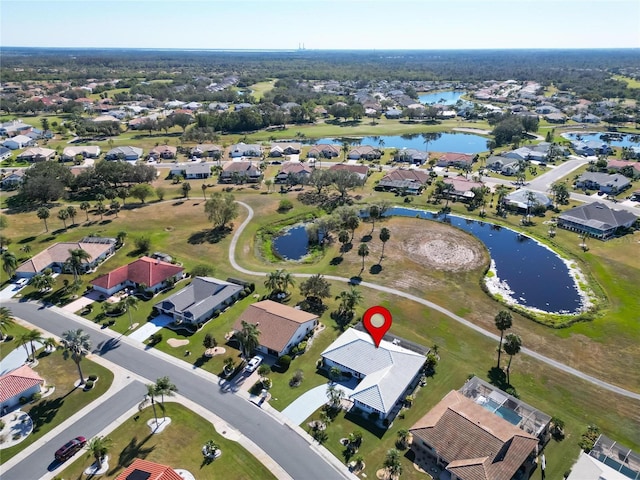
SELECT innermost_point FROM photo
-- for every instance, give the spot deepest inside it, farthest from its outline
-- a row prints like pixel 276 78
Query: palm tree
pixel 404 436
pixel 343 238
pixel 204 190
pixel 99 447
pixel 363 251
pixel 130 302
pixel 186 187
pixel 349 299
pixel 42 281
pixel 49 344
pixel 385 235
pixel 273 281
pixel 150 397
pixel 77 256
pixel 76 343
pixel 165 387
pixel 335 396
pixel 247 338
pixel 43 213
pixel 210 448
pixel 344 150
pixel 286 281
pixel 34 336
pixel 9 263
pixel 502 191
pixel 23 340
pixel 86 206
pixel 101 209
pixel 374 214
pixel 392 463
pixel 63 215
pixel 6 321
pixel 71 210
pixel 115 207
pixel 503 321
pixel 512 345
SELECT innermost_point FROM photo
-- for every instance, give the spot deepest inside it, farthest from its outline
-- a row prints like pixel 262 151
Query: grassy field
pixel 258 89
pixel 178 446
pixel 631 82
pixel 66 399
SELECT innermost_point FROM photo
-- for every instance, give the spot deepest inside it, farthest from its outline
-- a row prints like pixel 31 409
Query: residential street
pixel 279 440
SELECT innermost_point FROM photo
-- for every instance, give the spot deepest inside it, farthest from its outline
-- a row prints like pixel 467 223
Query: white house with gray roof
pixel 196 302
pixel 603 182
pixel 387 373
pixel 596 219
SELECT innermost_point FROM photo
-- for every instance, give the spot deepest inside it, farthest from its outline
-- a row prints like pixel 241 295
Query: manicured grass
pixel 258 89
pixel 631 82
pixel 178 445
pixel 65 401
pixel 6 347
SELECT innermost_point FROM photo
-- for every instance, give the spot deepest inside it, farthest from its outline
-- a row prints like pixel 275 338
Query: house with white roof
pixel 607 460
pixel 387 373
pixel 19 141
pixel 87 151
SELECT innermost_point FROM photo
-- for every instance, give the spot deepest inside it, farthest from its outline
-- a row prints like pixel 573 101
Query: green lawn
pixel 178 446
pixel 6 347
pixel 66 400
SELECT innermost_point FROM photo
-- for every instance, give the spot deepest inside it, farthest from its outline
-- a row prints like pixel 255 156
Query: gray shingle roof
pixel 597 215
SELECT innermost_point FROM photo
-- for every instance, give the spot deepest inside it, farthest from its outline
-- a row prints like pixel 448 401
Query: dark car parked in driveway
pixel 70 448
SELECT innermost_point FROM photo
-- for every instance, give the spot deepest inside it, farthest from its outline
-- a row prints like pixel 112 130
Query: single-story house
pixel 324 150
pixel 17 142
pixel 558 117
pixel 87 151
pixel 207 150
pixel 387 373
pixel 55 257
pixel 191 170
pixel 393 113
pixel 607 460
pixel 243 150
pixel 524 199
pixel 241 172
pixel 361 170
pixel 470 442
pixel 302 170
pixel 281 327
pixel 105 118
pixel 281 149
pixel 130 154
pixel 146 470
pixel 502 164
pixel 585 118
pixel 591 147
pixel 13 127
pixel 604 182
pixel 151 274
pixel 364 152
pixel 193 106
pixel 4 153
pixel 462 188
pixel 21 382
pixel 411 155
pixel 196 302
pixel 459 160
pixel 521 153
pixel 12 180
pixel 596 219
pixel 401 180
pixel 618 164
pixel 37 154
pixel 164 151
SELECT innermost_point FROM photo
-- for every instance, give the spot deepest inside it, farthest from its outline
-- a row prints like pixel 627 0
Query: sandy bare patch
pixel 175 342
pixel 212 352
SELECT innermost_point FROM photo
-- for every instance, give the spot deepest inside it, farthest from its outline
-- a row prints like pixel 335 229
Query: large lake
pixel 617 140
pixel 445 98
pixel 536 276
pixel 447 142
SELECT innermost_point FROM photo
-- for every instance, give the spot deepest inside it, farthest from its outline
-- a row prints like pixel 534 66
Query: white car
pixel 253 364
pixel 21 282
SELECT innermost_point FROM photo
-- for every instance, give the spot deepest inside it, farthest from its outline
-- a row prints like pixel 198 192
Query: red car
pixel 70 448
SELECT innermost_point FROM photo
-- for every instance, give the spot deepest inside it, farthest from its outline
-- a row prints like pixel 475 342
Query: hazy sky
pixel 322 24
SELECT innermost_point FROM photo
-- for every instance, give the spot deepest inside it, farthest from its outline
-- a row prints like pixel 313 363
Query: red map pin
pixel 377 320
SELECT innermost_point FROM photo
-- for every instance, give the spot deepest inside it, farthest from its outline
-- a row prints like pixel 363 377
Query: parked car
pixel 253 364
pixel 21 282
pixel 70 448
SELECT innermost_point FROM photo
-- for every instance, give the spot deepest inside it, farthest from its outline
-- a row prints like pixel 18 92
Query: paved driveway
pixel 9 291
pixel 152 326
pixel 16 358
pixel 307 403
pixel 82 302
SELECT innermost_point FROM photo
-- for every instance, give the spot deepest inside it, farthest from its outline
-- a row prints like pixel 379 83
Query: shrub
pixel 88 385
pixel 297 378
pixel 302 346
pixel 93 377
pixel 23 400
pixel 284 362
pixel 2 424
pixel 8 338
pixel 155 339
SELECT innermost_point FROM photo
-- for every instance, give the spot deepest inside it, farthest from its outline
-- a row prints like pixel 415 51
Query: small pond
pixel 439 142
pixel 293 244
pixel 529 273
pixel 616 139
pixel 444 98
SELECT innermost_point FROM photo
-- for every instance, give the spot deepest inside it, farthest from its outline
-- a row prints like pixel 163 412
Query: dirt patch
pixel 440 247
pixel 175 342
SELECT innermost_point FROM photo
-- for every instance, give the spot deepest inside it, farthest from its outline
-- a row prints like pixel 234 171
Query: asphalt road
pixel 284 445
pixel 41 460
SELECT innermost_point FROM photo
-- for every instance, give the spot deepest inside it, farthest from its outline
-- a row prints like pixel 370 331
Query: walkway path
pixel 310 401
pixel 154 325
pixel 444 311
pixel 16 358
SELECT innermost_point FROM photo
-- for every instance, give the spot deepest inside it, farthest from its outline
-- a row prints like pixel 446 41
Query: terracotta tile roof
pixel 478 444
pixel 277 322
pixel 361 170
pixel 452 157
pixel 155 471
pixel 145 270
pixel 18 381
pixel 59 253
